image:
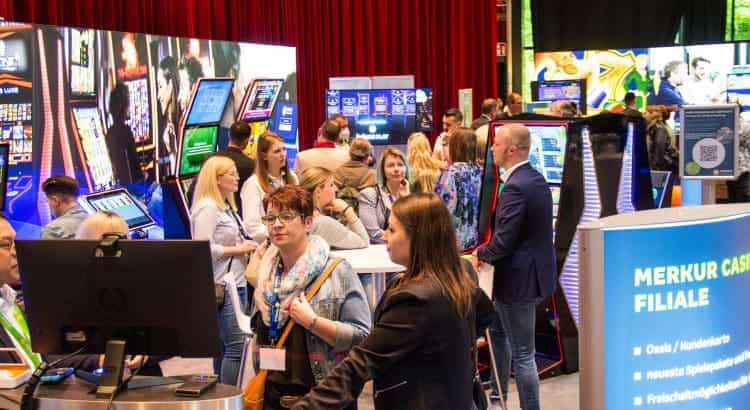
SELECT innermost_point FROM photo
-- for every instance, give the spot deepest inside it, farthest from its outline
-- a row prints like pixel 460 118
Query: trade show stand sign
pixel 672 317
pixel 708 141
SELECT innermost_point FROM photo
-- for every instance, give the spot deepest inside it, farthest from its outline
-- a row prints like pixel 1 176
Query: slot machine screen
pixel 90 131
pixel 15 129
pixel 139 119
pixel 210 101
pixel 261 100
pixel 4 156
pixel 82 74
pixel 384 117
pixel 14 57
pixel 423 109
pixel 547 152
pixel 122 203
pixel 197 144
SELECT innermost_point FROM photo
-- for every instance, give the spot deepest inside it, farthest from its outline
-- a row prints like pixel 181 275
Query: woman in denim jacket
pixel 328 326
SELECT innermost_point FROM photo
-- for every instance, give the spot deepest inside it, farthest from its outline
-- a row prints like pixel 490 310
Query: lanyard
pixel 20 336
pixel 240 228
pixel 273 325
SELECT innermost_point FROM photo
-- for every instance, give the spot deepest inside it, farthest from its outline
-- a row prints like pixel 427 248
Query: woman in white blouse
pixel 213 217
pixel 271 172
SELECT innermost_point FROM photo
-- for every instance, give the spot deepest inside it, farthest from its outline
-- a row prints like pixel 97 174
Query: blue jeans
pixel 227 366
pixel 513 337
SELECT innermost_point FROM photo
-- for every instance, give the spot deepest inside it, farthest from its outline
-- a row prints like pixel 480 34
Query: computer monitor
pixel 547 151
pixel 122 203
pixel 197 144
pixel 158 296
pixel 261 99
pixel 560 90
pixel 210 101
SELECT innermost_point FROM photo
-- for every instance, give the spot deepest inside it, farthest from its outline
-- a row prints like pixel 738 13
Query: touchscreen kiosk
pixel 122 203
pixel 210 101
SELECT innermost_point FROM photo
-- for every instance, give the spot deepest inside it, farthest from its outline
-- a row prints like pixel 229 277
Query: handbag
pixel 221 288
pixel 252 396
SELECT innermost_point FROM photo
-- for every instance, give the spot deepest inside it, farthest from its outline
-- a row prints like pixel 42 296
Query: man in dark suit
pixel 523 256
pixel 489 111
pixel 239 136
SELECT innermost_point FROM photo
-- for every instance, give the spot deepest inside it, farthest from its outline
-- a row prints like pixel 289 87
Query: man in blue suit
pixel 523 255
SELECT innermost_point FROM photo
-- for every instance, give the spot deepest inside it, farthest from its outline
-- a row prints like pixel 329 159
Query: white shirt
pixel 506 175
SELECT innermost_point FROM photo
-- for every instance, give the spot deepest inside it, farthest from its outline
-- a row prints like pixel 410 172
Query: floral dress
pixel 459 188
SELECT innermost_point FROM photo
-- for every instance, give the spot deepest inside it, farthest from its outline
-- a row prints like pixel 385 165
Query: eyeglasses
pixel 7 244
pixel 284 218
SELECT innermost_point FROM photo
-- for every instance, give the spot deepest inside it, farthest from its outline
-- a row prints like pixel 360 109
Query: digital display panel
pixel 210 101
pixel 139 118
pixel 547 152
pixel 82 73
pixel 13 56
pixel 559 90
pixel 120 202
pixel 89 127
pixel 197 144
pixel 262 98
pixel 384 117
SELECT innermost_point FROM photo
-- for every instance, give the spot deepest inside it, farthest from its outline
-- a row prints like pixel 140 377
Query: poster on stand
pixel 708 141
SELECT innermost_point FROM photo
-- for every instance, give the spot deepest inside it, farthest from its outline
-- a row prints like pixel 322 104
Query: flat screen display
pixel 90 131
pixel 560 90
pixel 13 56
pixel 262 99
pixel 209 102
pixel 139 116
pixel 122 203
pixel 197 144
pixel 424 109
pixel 384 117
pixel 547 152
pixel 82 72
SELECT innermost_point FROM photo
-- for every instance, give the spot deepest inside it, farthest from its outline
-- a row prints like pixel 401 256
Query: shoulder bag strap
pixel 309 295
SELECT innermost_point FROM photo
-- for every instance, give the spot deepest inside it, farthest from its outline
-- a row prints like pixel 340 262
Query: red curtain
pixel 445 44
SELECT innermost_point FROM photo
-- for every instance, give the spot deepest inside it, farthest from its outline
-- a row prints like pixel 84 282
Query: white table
pixel 373 261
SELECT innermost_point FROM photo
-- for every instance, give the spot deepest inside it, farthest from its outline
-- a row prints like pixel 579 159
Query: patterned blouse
pixel 459 188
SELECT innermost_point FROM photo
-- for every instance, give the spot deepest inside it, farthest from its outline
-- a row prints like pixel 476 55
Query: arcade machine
pixel 121 202
pixel 257 108
pixel 86 118
pixel 199 138
pixel 596 167
pixel 16 98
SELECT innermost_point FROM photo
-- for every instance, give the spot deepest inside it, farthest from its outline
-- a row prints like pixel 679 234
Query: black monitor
pixel 560 90
pixel 158 296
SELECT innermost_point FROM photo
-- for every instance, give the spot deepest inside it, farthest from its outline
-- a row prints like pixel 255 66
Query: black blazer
pixel 521 247
pixel 418 354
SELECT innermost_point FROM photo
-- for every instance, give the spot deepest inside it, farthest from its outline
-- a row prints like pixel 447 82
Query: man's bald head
pixel 511 145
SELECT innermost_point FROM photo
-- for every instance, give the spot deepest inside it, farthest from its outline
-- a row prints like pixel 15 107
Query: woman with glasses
pixel 334 220
pixel 271 172
pixel 213 217
pixel 324 328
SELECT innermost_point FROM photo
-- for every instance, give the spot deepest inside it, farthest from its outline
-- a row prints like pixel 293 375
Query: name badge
pixel 272 359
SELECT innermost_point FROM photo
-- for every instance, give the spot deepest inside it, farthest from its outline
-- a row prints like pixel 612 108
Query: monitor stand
pixel 110 382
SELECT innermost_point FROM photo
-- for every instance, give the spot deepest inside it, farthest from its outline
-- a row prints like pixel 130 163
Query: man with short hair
pixel 522 253
pixel 513 105
pixel 700 89
pixel 631 109
pixel 673 76
pixel 324 152
pixel 489 111
pixel 239 137
pixel 451 121
pixel 62 197
pixel 344 133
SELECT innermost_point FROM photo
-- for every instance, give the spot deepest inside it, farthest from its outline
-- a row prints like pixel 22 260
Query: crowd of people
pixel 272 229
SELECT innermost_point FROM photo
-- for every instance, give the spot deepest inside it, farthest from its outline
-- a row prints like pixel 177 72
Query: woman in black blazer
pixel 419 351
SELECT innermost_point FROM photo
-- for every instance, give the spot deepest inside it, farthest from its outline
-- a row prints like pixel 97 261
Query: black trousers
pixel 739 190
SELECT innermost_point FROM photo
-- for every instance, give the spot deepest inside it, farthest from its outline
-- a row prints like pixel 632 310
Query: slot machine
pixel 596 167
pixel 198 139
pixel 88 126
pixel 257 108
pixel 16 99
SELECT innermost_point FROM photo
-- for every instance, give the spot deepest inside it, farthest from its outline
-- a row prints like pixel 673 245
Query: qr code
pixel 709 153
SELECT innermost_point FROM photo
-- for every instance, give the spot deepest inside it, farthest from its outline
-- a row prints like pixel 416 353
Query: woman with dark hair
pixel 120 142
pixel 419 351
pixel 459 186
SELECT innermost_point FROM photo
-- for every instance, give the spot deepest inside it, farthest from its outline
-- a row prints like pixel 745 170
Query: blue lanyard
pixel 273 325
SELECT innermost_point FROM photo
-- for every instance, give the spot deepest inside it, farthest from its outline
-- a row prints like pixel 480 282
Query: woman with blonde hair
pixel 333 219
pixel 425 169
pixel 213 217
pixel 418 351
pixel 95 226
pixel 271 172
